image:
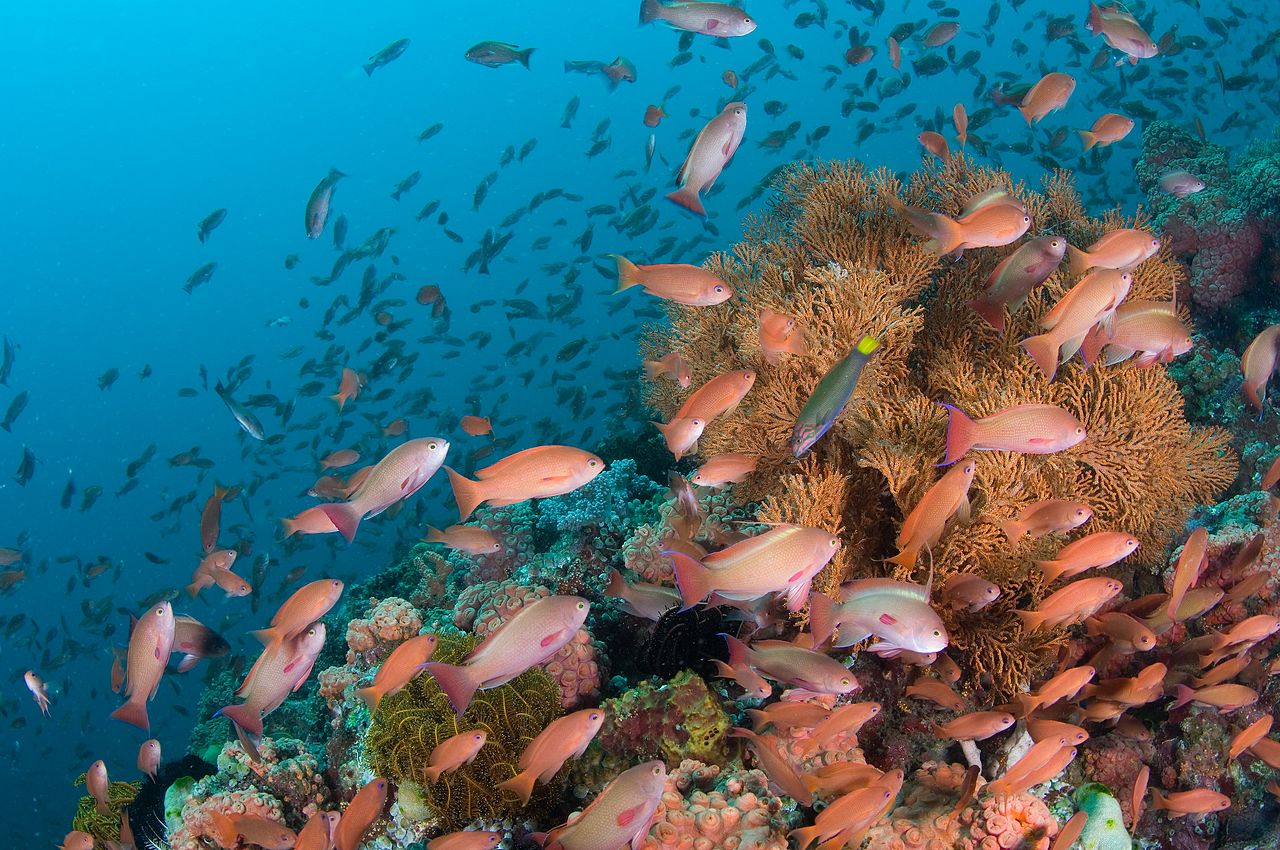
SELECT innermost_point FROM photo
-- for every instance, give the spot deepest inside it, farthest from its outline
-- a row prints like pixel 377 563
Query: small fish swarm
pixel 830 252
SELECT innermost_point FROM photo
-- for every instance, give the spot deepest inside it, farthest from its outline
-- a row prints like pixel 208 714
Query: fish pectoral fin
pixel 552 638
pixel 888 619
pixel 628 816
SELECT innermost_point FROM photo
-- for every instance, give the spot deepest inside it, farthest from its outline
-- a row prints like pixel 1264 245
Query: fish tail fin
pixel 1158 801
pixel 455 681
pixel 248 719
pixel 687 197
pixel 288 526
pixel 521 785
pixel 220 492
pixel 804 836
pixel 946 234
pixel 1089 138
pixel 370 697
pixel 1026 113
pixel 134 712
pixel 992 312
pixel 693 580
pixel 1184 695
pixel 524 55
pixel 1026 703
pixel 1051 570
pixel 339 399
pixel 188 661
pixel 369 68
pixel 1031 620
pixel 434 535
pixel 906 558
pixel 628 273
pixel 653 369
pixel 1012 528
pixel 344 517
pixel 1077 261
pixel 466 493
pixel 267 637
pixel 1043 349
pixel 193 589
pixel 962 434
pixel 650 11
pixel 617 585
pixel 822 618
pixel 1093 23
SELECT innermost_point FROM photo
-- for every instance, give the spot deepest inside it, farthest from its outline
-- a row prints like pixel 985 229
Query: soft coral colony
pixel 863 621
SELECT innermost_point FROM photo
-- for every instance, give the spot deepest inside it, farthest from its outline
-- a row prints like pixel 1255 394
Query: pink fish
pixel 782 560
pixel 452 753
pixel 563 739
pixel 793 665
pixel 466 840
pixel 95 779
pixel 1050 516
pixel 39 691
pixel 1100 549
pixel 896 612
pixel 1018 274
pixel 1038 429
pixel 1121 30
pixel 621 814
pixel 1258 363
pixel 149 647
pixel 306 605
pixel 1124 248
pixel 710 153
pixel 534 634
pixel 279 672
pixel 536 473
pixel 649 601
pixel 723 20
pixel 149 757
pixel 394 478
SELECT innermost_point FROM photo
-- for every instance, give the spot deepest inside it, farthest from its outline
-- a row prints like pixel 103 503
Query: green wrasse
pixel 830 397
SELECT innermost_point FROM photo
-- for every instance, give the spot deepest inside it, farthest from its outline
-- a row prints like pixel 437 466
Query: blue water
pixel 123 127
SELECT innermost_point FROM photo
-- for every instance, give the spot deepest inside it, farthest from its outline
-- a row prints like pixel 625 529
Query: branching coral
pixel 407 727
pixel 831 253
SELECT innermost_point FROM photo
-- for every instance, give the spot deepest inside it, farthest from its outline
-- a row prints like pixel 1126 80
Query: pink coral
pixel 705 808
pixel 793 742
pixel 196 823
pixel 642 554
pixel 925 819
pixel 484 607
pixel 391 620
pixel 1226 255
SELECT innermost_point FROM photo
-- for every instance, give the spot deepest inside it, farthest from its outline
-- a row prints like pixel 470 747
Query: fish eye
pixel 477 737
pixel 595 715
pixel 591 463
pixel 431 446
pixel 581 605
pixel 937 633
pixel 844 681
pixel 1079 430
pixel 719 289
pixel 1026 219
pixel 1155 243
pixel 834 542
pixel 159 612
pixel 657 771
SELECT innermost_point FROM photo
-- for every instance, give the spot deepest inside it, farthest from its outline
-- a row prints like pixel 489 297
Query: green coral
pixel 407 727
pixel 1105 827
pixel 104 827
pixel 675 720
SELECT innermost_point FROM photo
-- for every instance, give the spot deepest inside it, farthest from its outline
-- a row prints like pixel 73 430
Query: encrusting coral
pixel 831 253
pixel 408 725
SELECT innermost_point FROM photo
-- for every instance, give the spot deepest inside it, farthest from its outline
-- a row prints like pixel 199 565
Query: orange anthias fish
pixel 534 634
pixel 710 153
pixel 278 672
pixel 1196 802
pixel 621 814
pixel 149 757
pixel 946 500
pixel 536 473
pixel 563 739
pixel 1250 735
pixel 452 753
pixel 681 435
pixel 339 459
pixel 1091 301
pixel 1017 276
pixel 717 396
pixel 779 335
pixel 1026 428
pixel 466 840
pixel 678 282
pixel 1258 362
pixel 319 832
pixel 771 760
pixel 211 518
pixel 988 220
pixel 1121 31
pixel 311 521
pixel 968 592
pixel 476 426
pixel 976 726
pixel 724 469
pixel 39 691
pixel 782 560
pixel 470 539
pixel 1100 549
pixel 396 477
pixel 1050 94
pixel 1073 603
pixel 653 115
pixel 1124 249
pixel 402 666
pixel 96 781
pixel 935 144
pixel 348 388
pixel 1050 516
pixel 793 665
pixel 1187 569
pixel 305 606
pixel 1107 130
pixel 149 647
pixel 77 840
pixel 361 812
pixel 1151 330
pixel 395 428
pixel 960 118
pixel 671 366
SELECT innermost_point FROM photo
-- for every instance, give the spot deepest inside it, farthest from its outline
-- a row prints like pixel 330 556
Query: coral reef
pixel 407 726
pixel 707 807
pixel 830 252
pixel 1228 231
pixel 104 827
